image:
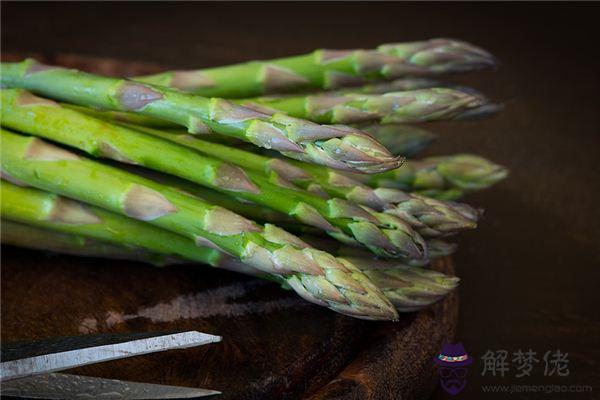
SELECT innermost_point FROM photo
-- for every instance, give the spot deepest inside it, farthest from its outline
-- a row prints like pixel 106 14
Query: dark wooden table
pixel 531 272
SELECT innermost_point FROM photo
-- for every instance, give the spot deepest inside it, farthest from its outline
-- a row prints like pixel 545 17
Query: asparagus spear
pixel 399 139
pixel 315 275
pixel 30 237
pixel 403 140
pixel 338 147
pixel 49 211
pixel 429 217
pixel 447 177
pixel 383 234
pixel 337 185
pixel 329 69
pixel 420 105
pixel 411 288
pixel 435 248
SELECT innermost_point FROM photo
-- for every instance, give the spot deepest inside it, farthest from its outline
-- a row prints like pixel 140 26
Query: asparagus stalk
pixel 45 210
pixel 429 217
pixel 327 281
pixel 329 69
pixel 338 147
pixel 411 288
pixel 403 140
pixel 30 237
pixel 383 234
pixel 446 177
pixel 420 105
pixel 400 85
pixel 123 116
pixel 336 185
pixel 435 248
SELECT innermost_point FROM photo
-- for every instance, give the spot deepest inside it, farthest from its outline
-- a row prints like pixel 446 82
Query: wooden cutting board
pixel 275 345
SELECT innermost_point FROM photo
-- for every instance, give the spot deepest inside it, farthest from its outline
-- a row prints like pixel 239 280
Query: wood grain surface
pixel 530 272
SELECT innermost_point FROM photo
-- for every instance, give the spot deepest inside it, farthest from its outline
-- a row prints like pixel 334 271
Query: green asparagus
pixel 46 210
pixel 410 288
pixel 446 177
pixel 383 234
pixel 420 212
pixel 315 275
pixel 329 69
pixel 429 217
pixel 399 139
pixel 337 147
pixel 29 237
pixel 485 109
pixel 204 195
pixel 421 105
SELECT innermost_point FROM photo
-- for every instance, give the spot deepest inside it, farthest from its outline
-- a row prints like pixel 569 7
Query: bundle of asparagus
pixel 183 179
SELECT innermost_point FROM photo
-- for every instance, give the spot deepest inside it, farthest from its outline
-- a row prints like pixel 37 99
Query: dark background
pixel 531 272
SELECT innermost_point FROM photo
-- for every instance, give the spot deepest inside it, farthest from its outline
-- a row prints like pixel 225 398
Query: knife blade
pixel 58 354
pixel 79 387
